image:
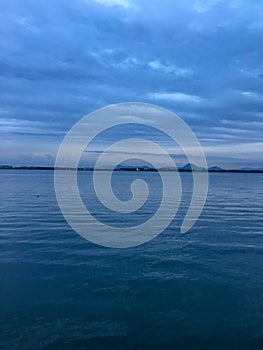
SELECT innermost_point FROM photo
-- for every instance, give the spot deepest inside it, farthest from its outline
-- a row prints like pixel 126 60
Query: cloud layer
pixel 62 59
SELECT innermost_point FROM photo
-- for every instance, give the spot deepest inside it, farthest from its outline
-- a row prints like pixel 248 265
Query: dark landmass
pixel 186 168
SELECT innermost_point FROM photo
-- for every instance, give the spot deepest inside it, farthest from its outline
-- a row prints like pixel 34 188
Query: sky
pixel 62 59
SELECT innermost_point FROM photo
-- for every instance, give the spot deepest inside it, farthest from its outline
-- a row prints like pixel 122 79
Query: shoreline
pixel 136 170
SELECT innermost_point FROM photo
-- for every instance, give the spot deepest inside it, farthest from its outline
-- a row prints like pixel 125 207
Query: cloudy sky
pixel 62 59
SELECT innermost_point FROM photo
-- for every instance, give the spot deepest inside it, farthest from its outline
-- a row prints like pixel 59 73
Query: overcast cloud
pixel 62 59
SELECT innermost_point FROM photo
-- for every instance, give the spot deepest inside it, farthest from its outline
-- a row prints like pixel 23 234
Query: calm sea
pixel 200 290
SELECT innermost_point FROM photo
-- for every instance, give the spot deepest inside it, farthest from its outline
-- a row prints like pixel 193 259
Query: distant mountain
pixel 187 168
pixel 190 167
pixel 215 168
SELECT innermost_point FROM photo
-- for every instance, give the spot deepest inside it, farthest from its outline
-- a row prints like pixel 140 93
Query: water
pixel 200 290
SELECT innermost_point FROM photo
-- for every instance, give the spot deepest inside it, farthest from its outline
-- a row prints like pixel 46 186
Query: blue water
pixel 200 290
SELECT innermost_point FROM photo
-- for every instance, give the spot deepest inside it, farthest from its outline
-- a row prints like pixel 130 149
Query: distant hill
pixel 251 169
pixel 189 167
pixel 186 168
pixel 246 168
pixel 134 167
pixel 6 167
pixel 215 168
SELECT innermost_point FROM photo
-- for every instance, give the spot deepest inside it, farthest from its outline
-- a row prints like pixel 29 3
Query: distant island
pixel 186 168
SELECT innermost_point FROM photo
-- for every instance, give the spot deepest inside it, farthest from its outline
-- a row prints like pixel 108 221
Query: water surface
pixel 200 290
